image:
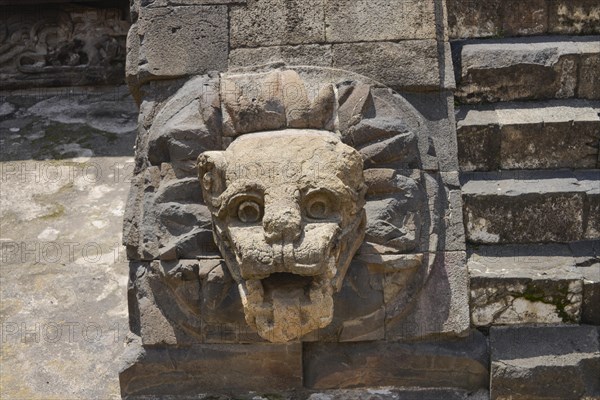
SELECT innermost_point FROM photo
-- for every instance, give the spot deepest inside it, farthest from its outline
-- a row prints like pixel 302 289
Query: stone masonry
pixel 428 240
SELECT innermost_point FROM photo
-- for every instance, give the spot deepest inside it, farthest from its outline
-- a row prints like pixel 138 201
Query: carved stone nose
pixel 282 222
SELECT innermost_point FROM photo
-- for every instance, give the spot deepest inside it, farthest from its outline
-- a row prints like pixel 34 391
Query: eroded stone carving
pixel 248 125
pixel 288 216
pixel 64 45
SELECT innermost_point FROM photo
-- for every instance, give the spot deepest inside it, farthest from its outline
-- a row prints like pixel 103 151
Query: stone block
pixel 589 79
pixel 478 145
pixel 440 304
pixel 525 68
pixel 494 18
pixel 523 18
pixel 217 368
pixel 524 284
pixel 525 206
pixel 311 54
pixel 590 313
pixel 276 22
pixel 180 41
pixel 573 17
pixel 438 150
pixel 472 19
pixel 406 65
pixel 359 309
pixel 590 182
pixel 545 363
pixel 380 20
pixel 553 134
pixel 461 363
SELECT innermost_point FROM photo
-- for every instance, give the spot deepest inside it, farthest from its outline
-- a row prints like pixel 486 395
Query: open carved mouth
pixel 294 285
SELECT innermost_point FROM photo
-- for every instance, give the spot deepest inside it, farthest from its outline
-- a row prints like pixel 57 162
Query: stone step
pixel 496 18
pixel 531 206
pixel 529 135
pixel 541 284
pixel 529 68
pixel 545 363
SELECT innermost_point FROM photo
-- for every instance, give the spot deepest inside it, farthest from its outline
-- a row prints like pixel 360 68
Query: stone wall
pixel 402 44
pixel 423 304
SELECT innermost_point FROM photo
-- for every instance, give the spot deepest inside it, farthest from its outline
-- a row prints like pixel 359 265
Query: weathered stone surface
pixel 556 134
pixel 524 284
pixel 590 182
pixel 220 368
pixel 359 308
pixel 564 362
pixel 165 3
pixel 573 17
pixel 404 394
pixel 445 313
pixel 165 214
pixel 442 363
pixel 65 45
pixel 589 79
pixel 275 100
pixel 277 22
pixel 590 313
pixel 495 18
pixel 526 69
pixel 406 65
pixel 310 54
pixel 437 152
pixel 470 19
pixel 196 36
pixel 529 206
pixel 365 21
pixel 396 210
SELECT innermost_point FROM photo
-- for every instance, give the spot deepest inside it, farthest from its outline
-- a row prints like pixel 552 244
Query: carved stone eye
pixel 249 212
pixel 318 207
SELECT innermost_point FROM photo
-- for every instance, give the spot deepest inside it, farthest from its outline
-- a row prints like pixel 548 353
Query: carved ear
pixel 211 174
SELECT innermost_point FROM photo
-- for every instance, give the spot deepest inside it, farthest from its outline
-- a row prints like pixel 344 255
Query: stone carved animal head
pixel 288 216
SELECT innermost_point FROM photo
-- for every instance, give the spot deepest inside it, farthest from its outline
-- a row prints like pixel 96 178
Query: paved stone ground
pixel 65 159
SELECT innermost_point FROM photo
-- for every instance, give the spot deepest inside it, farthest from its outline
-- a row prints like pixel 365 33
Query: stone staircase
pixel 528 130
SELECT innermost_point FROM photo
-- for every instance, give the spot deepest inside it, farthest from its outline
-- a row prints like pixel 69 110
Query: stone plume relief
pixel 296 204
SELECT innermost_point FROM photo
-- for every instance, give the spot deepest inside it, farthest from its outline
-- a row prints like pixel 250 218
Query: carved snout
pixel 282 222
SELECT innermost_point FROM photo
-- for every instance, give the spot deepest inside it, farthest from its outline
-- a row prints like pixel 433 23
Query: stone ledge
pixel 516 284
pixel 459 363
pixel 531 206
pixel 532 68
pixel 224 369
pixel 525 135
pixel 562 362
pixel 493 18
pixel 195 36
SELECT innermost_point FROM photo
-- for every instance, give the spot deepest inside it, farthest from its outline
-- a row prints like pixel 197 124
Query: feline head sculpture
pixel 287 209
